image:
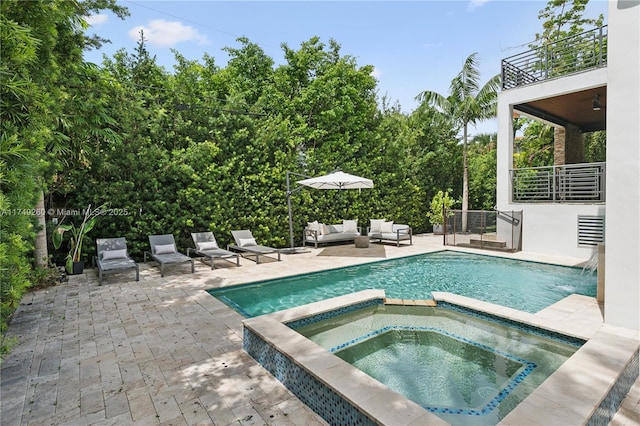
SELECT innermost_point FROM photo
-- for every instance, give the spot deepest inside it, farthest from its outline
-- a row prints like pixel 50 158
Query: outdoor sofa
pixel 380 230
pixel 318 233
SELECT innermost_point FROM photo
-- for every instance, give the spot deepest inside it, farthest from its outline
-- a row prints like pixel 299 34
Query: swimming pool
pixel 464 366
pixel 526 286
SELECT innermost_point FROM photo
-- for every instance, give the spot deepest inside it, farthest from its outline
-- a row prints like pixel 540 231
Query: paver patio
pixel 162 350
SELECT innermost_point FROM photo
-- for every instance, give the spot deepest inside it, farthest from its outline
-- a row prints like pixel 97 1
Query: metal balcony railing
pixel 572 54
pixel 574 183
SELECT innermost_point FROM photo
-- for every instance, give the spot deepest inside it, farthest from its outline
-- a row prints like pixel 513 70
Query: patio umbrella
pixel 337 180
pixel 334 180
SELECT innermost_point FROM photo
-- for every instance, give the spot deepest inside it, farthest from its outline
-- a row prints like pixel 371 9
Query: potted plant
pixel 440 203
pixel 74 263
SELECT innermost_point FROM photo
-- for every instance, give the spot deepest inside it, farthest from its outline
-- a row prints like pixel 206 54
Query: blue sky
pixel 413 45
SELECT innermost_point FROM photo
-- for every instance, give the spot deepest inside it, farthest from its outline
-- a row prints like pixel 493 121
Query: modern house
pixel 572 208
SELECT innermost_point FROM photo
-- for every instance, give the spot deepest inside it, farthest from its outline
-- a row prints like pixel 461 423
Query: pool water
pixel 526 286
pixel 463 366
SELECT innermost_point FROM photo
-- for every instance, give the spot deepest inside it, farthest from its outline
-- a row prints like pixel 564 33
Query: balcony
pixel 573 54
pixel 573 183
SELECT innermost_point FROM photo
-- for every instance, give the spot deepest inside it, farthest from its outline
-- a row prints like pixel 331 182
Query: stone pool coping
pixel 604 367
pixel 579 392
pixel 372 398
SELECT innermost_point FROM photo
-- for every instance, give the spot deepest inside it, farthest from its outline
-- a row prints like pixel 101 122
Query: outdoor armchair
pixel 245 243
pixel 382 230
pixel 207 246
pixel 164 251
pixel 112 256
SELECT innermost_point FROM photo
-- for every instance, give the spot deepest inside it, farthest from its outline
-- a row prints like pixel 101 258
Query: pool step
pixel 410 302
pixel 486 244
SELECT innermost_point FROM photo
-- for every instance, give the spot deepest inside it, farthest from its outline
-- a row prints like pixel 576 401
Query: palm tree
pixel 466 104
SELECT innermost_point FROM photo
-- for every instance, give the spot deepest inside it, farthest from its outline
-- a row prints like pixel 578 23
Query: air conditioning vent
pixel 590 230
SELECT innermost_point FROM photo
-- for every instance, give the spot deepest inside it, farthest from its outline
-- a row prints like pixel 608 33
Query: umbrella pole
pixel 290 214
pixel 292 249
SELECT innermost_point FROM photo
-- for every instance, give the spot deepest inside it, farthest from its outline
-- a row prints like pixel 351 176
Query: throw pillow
pixel 350 226
pixel 387 227
pixel 244 242
pixel 324 229
pixel 313 226
pixel 165 249
pixel 376 225
pixel 114 254
pixel 208 245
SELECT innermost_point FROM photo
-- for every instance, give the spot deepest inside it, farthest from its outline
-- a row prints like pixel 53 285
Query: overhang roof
pixel 573 108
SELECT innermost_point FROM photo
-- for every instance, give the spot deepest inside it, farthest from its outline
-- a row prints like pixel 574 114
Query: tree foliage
pixel 203 146
pixel 466 104
pixel 41 50
pixel 562 19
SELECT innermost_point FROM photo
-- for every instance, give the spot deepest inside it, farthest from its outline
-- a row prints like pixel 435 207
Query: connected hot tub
pixel 355 360
pixel 465 366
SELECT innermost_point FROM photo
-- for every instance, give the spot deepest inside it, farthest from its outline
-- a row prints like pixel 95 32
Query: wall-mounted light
pixel 596 102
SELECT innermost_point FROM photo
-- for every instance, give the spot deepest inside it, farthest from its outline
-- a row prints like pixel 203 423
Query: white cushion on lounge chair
pixel 313 226
pixel 376 225
pixel 350 226
pixel 208 245
pixel 386 227
pixel 244 242
pixel 114 254
pixel 165 249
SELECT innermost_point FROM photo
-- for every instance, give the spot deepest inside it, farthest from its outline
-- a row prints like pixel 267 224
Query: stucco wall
pixel 547 228
pixel 622 274
pixel 553 229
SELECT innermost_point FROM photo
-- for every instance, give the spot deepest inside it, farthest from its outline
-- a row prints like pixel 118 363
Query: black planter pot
pixel 78 268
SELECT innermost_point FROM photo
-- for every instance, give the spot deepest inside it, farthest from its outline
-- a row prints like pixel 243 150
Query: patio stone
pixel 157 351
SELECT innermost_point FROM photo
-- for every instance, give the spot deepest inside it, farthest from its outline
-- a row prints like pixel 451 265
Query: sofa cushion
pixel 336 236
pixel 386 227
pixel 350 226
pixel 376 225
pixel 335 229
pixel 392 236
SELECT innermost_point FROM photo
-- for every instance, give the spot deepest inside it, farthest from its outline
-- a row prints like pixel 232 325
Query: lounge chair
pixel 164 251
pixel 245 243
pixel 112 256
pixel 207 246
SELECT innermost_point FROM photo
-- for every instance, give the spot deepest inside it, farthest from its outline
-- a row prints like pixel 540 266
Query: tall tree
pixel 482 171
pixel 467 104
pixel 563 18
pixel 41 50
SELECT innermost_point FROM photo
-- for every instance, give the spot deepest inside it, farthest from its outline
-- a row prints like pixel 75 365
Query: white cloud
pixel 376 73
pixel 96 20
pixel 163 33
pixel 474 4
